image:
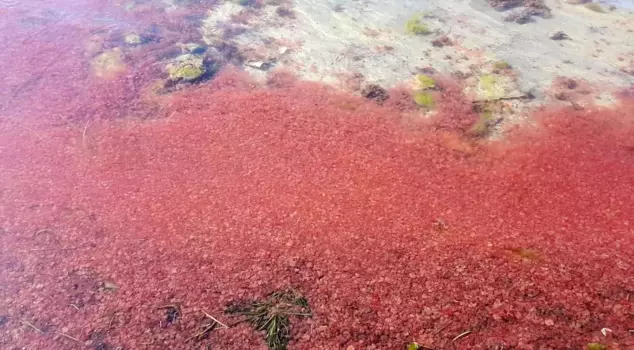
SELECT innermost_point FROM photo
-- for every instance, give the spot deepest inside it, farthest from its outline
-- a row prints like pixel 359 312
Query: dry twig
pixel 27 323
pixel 461 335
pixel 69 337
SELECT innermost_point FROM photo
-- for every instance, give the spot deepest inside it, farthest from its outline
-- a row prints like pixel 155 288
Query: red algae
pixel 245 190
pixel 396 230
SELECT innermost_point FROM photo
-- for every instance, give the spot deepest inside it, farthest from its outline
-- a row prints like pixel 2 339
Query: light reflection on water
pixel 627 4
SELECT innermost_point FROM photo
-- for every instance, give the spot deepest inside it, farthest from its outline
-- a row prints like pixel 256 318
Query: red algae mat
pixel 116 202
pixel 393 233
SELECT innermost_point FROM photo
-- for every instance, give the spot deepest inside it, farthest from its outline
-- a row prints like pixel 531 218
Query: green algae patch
pixel 596 346
pixel 108 64
pixel 490 86
pixel 415 25
pixel 501 65
pixel 424 99
pixel 425 82
pixel 483 126
pixel 187 68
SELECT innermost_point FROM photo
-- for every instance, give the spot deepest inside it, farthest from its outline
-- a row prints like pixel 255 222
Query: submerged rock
pixel 133 39
pixel 108 64
pixel 193 48
pixel 186 68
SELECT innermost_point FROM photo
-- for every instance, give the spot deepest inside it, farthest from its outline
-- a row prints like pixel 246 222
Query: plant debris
pixel 285 12
pixel 442 41
pixel 559 35
pixel 172 313
pixel 526 9
pixel 375 92
pixel 209 324
pixel 271 316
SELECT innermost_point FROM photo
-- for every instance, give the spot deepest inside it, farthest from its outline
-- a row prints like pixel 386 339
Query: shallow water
pixel 161 161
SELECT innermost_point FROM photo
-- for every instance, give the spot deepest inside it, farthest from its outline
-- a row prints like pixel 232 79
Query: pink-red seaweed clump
pixel 392 232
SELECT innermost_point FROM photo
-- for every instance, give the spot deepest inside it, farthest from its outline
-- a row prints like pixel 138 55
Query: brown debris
pixel 442 41
pixel 375 92
pixel 526 9
pixel 285 12
pixel 559 35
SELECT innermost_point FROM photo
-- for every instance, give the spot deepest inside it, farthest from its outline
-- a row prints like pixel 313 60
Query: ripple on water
pixel 626 4
pixel 9 3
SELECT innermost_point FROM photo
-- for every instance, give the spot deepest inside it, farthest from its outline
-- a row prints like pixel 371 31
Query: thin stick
pixel 83 134
pixel 442 328
pixel 215 320
pixel 32 326
pixel 75 306
pixel 297 314
pixel 112 319
pixel 44 230
pixel 205 331
pixel 33 131
pixel 69 337
pixel 238 322
pixel 461 335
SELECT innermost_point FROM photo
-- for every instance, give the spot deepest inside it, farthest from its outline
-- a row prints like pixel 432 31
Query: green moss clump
pixel 425 81
pixel 501 65
pixel 186 67
pixel 490 86
pixel 424 99
pixel 488 82
pixel 593 6
pixel 596 346
pixel 186 72
pixel 415 25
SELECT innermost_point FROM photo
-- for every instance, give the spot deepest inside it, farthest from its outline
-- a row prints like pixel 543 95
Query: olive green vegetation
pixel 425 81
pixel 488 82
pixel 490 86
pixel 593 6
pixel 596 346
pixel 415 25
pixel 424 99
pixel 413 346
pixel 482 127
pixel 500 65
pixel 186 73
pixel 271 316
pixel 186 67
